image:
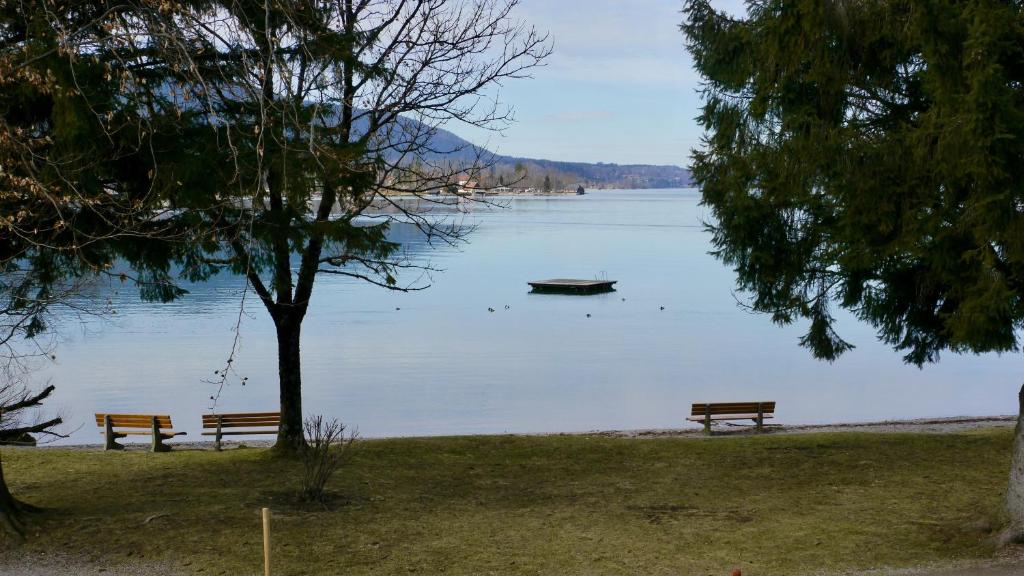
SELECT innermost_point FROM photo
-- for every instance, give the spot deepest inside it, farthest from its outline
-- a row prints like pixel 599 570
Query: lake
pixel 437 362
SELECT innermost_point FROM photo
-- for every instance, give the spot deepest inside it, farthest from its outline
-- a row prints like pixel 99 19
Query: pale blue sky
pixel 619 86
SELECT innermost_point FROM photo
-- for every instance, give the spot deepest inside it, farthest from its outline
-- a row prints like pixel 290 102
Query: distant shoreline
pixel 529 192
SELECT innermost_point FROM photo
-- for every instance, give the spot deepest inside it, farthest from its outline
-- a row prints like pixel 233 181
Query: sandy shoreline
pixel 920 426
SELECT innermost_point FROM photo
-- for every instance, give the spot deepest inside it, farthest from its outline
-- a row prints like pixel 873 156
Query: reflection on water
pixel 438 362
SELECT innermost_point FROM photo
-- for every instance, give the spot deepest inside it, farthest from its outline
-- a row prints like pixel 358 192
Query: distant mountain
pixel 531 171
pixel 603 175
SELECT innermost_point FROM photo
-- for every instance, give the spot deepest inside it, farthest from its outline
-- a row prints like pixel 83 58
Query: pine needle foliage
pixel 869 155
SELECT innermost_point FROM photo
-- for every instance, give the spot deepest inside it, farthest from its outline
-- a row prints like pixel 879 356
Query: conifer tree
pixel 869 155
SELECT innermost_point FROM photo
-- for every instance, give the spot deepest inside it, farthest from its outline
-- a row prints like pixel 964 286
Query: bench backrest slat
pixel 243 420
pixel 135 420
pixel 715 409
pixel 274 424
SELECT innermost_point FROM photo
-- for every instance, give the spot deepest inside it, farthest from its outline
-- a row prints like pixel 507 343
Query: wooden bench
pixel 254 422
pixel 708 413
pixel 157 426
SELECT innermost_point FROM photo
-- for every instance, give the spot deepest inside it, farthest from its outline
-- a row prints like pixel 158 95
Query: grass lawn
pixel 771 505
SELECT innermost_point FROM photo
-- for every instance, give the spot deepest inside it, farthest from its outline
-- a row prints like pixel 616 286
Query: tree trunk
pixel 10 512
pixel 289 366
pixel 1015 489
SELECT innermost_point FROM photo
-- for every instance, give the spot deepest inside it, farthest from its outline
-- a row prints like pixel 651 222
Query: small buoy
pixel 489 309
pixel 507 306
pixel 397 308
pixel 661 308
pixel 623 299
pixel 588 315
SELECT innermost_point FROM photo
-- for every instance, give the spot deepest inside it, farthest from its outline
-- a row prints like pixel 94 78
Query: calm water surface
pixel 443 364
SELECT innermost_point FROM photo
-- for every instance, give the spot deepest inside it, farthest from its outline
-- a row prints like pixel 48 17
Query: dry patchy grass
pixel 772 505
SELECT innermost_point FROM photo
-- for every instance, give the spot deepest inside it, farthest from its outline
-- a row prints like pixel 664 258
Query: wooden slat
pixel 253 421
pixel 100 415
pixel 731 408
pixel 732 404
pixel 246 419
pixel 729 417
pixel 745 410
pixel 242 415
pixel 233 424
pixel 137 424
pixel 134 420
pixel 242 419
pixel 240 432
pixel 163 433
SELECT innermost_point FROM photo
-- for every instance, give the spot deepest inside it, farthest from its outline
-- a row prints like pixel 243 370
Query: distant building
pixel 465 186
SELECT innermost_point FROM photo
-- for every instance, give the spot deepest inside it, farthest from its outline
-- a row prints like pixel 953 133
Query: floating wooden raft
pixel 568 286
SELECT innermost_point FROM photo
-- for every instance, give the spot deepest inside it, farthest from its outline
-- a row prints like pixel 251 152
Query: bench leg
pixel 110 435
pixel 158 440
pixel 111 443
pixel 216 441
pixel 707 425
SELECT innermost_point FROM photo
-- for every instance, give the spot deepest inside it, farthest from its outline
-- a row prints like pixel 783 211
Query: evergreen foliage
pixel 869 155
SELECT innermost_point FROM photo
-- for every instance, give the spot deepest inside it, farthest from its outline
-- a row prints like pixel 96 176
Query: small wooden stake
pixel 266 541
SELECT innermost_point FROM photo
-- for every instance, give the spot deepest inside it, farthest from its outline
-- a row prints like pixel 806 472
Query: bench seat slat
pixel 729 417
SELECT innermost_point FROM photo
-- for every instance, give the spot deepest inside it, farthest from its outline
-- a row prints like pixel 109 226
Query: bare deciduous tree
pixel 315 126
pixel 278 140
